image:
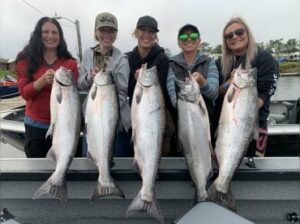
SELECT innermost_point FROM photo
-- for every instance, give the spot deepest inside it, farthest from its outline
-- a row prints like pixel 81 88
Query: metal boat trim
pixel 171 169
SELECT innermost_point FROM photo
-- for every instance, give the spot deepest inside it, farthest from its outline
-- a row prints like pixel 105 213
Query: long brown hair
pixel 228 58
pixel 33 51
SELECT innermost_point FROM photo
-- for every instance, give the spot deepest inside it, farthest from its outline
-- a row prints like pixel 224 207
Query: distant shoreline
pixel 290 74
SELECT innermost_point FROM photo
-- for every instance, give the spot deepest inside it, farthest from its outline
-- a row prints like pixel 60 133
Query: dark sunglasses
pixel 185 37
pixel 238 32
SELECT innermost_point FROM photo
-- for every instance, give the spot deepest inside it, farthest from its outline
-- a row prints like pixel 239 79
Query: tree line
pixel 277 47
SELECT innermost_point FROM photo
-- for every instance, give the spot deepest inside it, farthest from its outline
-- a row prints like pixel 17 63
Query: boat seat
pixel 211 213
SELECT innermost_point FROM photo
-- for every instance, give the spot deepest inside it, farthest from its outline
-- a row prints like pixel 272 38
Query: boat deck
pixel 265 194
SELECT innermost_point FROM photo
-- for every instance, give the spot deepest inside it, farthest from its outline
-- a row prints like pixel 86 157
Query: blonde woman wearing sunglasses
pixel 239 47
pixel 193 62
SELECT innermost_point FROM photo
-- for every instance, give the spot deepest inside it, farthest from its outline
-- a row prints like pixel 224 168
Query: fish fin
pixel 230 94
pixel 132 140
pixel 211 148
pixel 59 192
pixel 89 155
pixel 139 95
pixel 93 92
pixel 197 199
pixel 136 167
pixel 51 154
pixel 101 191
pixel 138 205
pixel 224 199
pixel 202 105
pixel 50 130
pixel 59 95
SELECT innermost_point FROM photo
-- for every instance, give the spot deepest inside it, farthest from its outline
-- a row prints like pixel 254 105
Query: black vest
pixel 200 66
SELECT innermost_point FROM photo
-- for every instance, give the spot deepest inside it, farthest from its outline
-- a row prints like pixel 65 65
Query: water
pixel 287 88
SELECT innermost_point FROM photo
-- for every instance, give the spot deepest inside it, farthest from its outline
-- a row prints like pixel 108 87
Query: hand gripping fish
pixel 101 119
pixel 194 134
pixel 148 117
pixel 65 126
pixel 238 124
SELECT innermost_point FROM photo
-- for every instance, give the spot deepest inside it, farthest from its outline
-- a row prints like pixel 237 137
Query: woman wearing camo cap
pixel 105 56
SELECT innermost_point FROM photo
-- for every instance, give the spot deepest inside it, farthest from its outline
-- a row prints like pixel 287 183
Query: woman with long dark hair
pixel 35 68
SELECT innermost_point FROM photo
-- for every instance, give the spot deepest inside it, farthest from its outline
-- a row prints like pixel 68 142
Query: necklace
pixel 50 65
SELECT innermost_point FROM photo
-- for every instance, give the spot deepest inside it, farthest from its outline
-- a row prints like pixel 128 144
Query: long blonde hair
pixel 228 58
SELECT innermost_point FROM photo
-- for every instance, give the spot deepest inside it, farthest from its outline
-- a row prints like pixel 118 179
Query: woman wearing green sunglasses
pixel 193 62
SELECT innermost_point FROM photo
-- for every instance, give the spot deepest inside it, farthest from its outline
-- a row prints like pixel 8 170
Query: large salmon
pixel 194 134
pixel 238 124
pixel 148 123
pixel 65 130
pixel 101 118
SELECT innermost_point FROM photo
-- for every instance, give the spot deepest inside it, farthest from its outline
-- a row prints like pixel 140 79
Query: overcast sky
pixel 268 19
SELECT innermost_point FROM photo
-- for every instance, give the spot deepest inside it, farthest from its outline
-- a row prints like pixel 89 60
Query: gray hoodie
pixel 119 67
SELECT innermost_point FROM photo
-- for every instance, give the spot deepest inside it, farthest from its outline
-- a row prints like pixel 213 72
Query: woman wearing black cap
pixel 148 51
pixel 191 61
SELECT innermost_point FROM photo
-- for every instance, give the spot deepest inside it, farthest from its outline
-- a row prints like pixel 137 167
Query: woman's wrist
pixel 39 84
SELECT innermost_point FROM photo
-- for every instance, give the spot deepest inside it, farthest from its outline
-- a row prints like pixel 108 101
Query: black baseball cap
pixel 147 21
pixel 188 27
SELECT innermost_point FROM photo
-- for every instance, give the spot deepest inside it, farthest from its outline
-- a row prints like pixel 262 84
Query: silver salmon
pixel 238 124
pixel 194 134
pixel 101 118
pixel 148 123
pixel 65 130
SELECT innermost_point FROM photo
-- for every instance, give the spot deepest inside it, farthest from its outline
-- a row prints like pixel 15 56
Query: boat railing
pixel 171 169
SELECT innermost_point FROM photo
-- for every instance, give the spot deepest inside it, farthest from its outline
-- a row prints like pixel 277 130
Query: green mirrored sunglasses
pixel 185 37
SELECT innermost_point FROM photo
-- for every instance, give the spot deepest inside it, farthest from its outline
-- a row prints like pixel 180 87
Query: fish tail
pixel 138 205
pixel 101 191
pixel 59 192
pixel 224 199
pixel 198 199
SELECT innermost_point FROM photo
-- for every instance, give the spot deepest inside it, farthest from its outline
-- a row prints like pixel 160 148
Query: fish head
pixel 103 77
pixel 244 78
pixel 64 77
pixel 188 90
pixel 147 77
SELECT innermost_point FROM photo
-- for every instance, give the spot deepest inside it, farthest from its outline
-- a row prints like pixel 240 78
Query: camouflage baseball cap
pixel 106 19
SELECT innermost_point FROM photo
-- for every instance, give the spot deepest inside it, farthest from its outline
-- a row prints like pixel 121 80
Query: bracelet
pixel 225 85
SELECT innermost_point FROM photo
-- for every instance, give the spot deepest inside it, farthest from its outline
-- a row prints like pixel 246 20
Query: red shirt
pixel 38 102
